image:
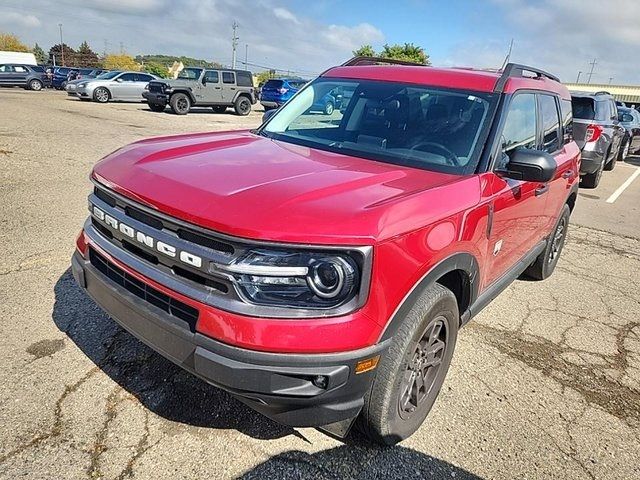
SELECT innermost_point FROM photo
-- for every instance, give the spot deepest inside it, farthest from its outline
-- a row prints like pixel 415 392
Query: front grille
pixel 140 289
pixel 156 88
pixel 159 223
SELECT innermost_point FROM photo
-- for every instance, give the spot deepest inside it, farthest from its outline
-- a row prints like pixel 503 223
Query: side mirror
pixel 204 80
pixel 529 166
pixel 268 114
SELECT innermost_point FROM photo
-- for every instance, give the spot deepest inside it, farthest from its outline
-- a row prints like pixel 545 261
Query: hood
pixel 249 186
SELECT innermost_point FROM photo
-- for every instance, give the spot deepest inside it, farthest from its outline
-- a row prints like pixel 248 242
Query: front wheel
pixel 180 103
pixel 546 262
pixel 35 85
pixel 412 372
pixel 328 108
pixel 101 95
pixel 242 106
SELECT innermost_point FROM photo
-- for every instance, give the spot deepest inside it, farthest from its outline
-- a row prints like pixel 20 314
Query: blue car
pixel 276 92
pixel 59 78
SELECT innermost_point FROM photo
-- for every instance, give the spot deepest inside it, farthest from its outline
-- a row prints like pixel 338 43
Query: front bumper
pixel 156 98
pixel 299 390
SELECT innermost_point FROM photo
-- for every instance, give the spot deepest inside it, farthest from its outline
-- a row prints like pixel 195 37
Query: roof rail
pixel 602 92
pixel 517 70
pixel 363 60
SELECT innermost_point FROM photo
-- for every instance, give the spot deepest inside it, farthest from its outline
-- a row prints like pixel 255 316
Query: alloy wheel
pixel 558 237
pixel 102 95
pixel 422 368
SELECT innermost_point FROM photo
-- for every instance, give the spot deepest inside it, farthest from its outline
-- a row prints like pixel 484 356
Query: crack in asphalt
pixel 543 355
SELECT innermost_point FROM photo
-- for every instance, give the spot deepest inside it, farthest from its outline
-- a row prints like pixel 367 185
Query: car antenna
pixel 508 57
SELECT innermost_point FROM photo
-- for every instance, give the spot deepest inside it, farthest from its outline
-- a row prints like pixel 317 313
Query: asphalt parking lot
pixel 545 382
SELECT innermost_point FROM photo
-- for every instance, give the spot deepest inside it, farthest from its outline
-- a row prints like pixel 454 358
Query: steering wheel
pixel 450 157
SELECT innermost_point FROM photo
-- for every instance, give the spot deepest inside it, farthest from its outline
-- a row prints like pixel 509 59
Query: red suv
pixel 320 266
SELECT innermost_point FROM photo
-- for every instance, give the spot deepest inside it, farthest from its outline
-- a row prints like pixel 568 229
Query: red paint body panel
pixel 245 185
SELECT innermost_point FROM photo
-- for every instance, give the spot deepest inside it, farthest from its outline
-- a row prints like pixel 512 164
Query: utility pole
pixel 61 44
pixel 593 66
pixel 121 48
pixel 578 79
pixel 610 80
pixel 234 44
pixel 246 55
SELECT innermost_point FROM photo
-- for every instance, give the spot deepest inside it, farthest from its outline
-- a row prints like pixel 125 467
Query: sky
pixel 306 37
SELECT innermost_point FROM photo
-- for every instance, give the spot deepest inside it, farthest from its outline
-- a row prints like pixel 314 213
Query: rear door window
pixel 19 69
pixel 228 77
pixel 6 68
pixel 550 123
pixel 143 77
pixel 127 77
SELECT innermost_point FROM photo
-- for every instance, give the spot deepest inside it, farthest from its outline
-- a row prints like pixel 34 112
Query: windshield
pixel 418 126
pixel 107 75
pixel 190 73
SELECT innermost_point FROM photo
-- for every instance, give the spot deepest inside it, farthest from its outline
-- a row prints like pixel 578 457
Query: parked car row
pixel 604 131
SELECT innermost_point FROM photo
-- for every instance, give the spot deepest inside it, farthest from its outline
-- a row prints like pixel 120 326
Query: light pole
pixel 61 45
pixel 246 55
pixel 578 79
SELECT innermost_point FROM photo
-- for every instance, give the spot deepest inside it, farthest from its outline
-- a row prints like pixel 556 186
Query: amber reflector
pixel 367 365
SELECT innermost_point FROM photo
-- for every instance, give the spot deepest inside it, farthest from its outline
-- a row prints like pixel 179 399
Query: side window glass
pixel 141 77
pixel 5 68
pixel 19 69
pixel 567 120
pixel 228 77
pixel 520 125
pixel 550 123
pixel 211 76
pixel 127 77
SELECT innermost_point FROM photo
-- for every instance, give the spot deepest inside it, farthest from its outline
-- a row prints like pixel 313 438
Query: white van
pixel 18 57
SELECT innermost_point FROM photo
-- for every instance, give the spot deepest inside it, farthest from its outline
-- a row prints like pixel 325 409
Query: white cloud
pixel 350 38
pixel 13 19
pixel 285 14
pixel 126 6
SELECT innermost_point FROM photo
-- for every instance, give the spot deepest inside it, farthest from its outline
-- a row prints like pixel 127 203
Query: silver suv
pixel 598 133
pixel 203 87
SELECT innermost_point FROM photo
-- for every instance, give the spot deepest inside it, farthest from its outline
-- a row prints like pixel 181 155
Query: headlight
pixel 82 85
pixel 146 87
pixel 301 279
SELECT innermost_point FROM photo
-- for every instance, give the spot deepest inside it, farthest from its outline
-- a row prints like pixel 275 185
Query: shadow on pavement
pixel 357 461
pixel 159 385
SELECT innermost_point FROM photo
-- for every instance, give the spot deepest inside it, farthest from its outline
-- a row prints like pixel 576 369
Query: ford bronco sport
pixel 203 87
pixel 319 267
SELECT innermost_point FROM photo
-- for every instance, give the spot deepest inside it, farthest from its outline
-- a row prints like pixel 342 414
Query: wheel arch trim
pixel 459 261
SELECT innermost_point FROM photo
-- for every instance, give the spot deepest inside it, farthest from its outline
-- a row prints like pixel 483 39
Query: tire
pixel 242 106
pixel 35 85
pixel 328 108
pixel 546 262
pixel 156 107
pixel 219 109
pixel 391 413
pixel 180 103
pixel 101 95
pixel 612 163
pixel 591 180
pixel 624 151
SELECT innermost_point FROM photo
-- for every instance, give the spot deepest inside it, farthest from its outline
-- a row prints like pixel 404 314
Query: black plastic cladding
pixel 210 246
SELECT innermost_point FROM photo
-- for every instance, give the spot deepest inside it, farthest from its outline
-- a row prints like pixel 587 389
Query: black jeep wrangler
pixel 203 87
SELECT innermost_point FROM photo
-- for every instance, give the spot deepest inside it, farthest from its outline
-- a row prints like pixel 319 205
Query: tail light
pixel 282 91
pixel 593 133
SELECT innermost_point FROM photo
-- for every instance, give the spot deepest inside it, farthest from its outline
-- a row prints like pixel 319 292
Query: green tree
pixel 11 43
pixel 120 62
pixel 55 53
pixel 85 57
pixel 408 52
pixel 156 69
pixel 364 51
pixel 41 57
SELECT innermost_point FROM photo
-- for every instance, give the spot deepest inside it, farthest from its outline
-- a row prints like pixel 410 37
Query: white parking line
pixel 614 196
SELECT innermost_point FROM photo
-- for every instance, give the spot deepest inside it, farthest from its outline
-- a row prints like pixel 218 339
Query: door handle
pixel 567 174
pixel 217 88
pixel 542 189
